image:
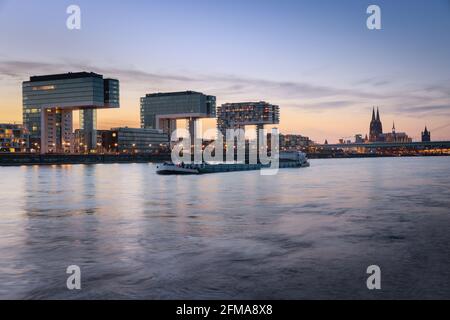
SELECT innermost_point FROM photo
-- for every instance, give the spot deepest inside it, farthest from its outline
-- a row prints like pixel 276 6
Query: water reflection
pixel 307 233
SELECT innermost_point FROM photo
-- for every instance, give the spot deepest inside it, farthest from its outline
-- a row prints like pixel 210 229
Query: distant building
pixel 125 140
pixel 426 135
pixel 48 103
pixel 106 141
pixel 376 131
pixel 79 139
pixel 395 136
pixel 138 140
pixel 162 110
pixel 238 115
pixel 293 142
pixel 13 138
pixel 359 138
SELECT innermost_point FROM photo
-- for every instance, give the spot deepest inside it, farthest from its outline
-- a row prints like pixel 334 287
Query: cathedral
pixel 376 127
pixel 376 131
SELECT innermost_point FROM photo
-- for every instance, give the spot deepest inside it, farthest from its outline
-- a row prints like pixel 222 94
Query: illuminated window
pixel 43 88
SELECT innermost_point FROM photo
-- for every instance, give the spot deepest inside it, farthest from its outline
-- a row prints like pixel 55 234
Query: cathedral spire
pixel 378 114
pixel 393 127
pixel 373 114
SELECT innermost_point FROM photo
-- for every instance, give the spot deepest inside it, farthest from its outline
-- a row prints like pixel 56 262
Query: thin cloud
pixel 23 69
pixel 276 89
pixel 17 69
pixel 325 105
pixel 301 95
pixel 375 82
pixel 429 108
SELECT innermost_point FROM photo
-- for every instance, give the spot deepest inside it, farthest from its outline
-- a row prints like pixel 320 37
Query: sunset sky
pixel 316 59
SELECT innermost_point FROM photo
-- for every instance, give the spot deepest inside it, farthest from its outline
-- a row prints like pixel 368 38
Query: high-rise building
pixel 242 114
pixel 426 135
pixel 48 103
pixel 162 110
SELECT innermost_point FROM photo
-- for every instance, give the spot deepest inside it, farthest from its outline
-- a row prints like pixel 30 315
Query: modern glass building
pixel 48 103
pixel 161 110
pixel 238 115
pixel 138 140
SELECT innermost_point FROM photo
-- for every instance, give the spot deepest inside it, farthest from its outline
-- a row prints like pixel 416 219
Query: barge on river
pixel 287 160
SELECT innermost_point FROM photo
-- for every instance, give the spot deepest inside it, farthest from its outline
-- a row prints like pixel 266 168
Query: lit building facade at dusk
pixel 239 115
pixel 49 101
pixel 13 138
pixel 162 110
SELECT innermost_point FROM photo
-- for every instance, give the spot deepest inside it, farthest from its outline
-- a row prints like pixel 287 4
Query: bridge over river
pixel 390 145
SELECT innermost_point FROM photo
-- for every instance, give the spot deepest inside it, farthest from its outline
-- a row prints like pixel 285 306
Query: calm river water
pixel 305 233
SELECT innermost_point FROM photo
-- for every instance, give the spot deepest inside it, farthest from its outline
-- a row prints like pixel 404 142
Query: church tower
pixel 426 135
pixel 376 127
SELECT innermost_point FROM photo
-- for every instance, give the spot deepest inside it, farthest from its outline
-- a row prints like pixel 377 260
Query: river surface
pixel 304 234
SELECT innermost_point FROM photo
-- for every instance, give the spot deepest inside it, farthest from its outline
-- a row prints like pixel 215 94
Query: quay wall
pixel 12 159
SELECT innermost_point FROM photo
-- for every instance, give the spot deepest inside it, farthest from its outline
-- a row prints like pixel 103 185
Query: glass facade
pixel 239 115
pixel 111 93
pixel 64 93
pixel 88 127
pixel 32 121
pixel 175 105
pixel 139 140
pixel 47 100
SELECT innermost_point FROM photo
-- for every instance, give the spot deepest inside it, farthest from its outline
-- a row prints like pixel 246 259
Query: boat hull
pixel 174 170
pixel 287 160
pixel 221 168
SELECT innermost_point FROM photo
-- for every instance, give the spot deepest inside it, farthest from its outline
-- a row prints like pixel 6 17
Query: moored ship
pixel 286 160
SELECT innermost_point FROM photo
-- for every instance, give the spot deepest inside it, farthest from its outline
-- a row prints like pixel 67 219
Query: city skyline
pixel 214 158
pixel 326 74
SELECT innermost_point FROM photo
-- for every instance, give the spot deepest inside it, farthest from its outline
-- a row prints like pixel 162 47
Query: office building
pixel 162 110
pixel 48 103
pixel 134 140
pixel 237 116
